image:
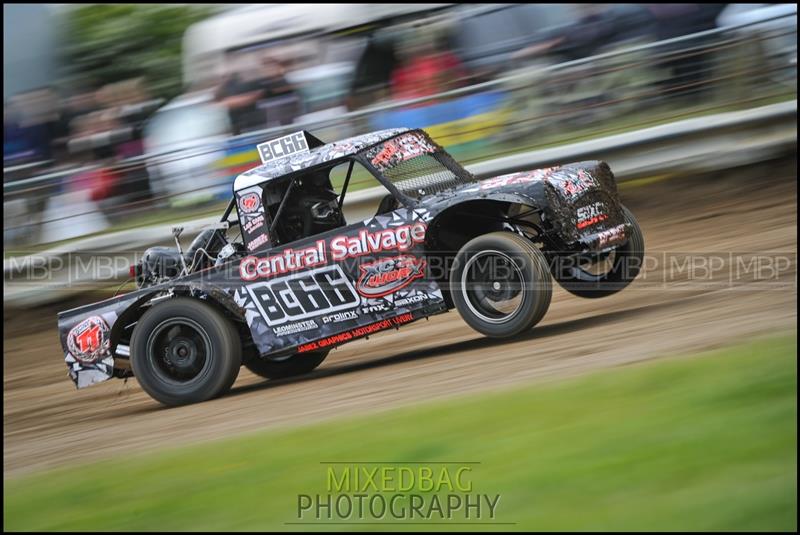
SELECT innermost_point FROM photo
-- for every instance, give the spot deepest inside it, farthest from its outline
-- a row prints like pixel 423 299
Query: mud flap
pixel 84 375
pixel 88 357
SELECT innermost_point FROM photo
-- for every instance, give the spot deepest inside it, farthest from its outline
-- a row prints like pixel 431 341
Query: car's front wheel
pixel 500 284
pixel 594 275
pixel 184 351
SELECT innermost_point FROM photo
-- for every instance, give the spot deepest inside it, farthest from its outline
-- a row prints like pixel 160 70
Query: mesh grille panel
pixel 416 165
pixel 422 175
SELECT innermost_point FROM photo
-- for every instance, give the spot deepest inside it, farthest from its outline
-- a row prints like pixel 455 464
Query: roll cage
pixel 403 151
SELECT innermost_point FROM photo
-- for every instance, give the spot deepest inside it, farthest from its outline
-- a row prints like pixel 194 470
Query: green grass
pixel 705 442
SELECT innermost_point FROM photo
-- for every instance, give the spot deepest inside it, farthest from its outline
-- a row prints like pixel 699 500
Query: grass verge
pixel 705 442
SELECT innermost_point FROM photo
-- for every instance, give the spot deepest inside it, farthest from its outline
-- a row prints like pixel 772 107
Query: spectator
pixel 245 96
pixel 598 26
pixel 374 71
pixel 279 103
pixel 77 105
pixel 29 127
pixel 239 94
pixel 426 69
pixel 688 71
pixel 15 142
pixel 674 20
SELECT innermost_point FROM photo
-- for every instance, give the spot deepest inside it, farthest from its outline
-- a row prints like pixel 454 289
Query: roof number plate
pixel 282 147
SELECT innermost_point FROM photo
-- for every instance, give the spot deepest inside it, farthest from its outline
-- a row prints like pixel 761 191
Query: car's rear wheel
pixel 500 284
pixel 184 351
pixel 596 275
pixel 298 364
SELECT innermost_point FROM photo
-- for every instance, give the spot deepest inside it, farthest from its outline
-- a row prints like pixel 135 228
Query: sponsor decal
pixel 294 328
pixel 339 317
pixel 320 291
pixel 572 184
pixel 365 242
pixel 257 242
pixel 358 332
pixel 611 236
pixel 89 340
pixel 388 275
pixel 282 147
pixel 287 261
pixel 387 157
pixel 522 177
pixel 399 149
pixel 591 215
pixel 375 306
pixel 254 224
pixel 410 300
pixel 252 217
pixel 250 202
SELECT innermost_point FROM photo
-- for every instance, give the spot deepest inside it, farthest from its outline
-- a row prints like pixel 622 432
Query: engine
pixel 161 264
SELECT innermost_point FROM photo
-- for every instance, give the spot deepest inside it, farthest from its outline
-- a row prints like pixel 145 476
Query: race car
pixel 299 280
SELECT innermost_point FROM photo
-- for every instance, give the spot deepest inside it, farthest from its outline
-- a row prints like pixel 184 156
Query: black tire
pixel 623 268
pixel 298 364
pixel 184 351
pixel 474 284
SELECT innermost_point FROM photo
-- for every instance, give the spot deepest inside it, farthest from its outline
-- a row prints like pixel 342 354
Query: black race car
pixel 300 280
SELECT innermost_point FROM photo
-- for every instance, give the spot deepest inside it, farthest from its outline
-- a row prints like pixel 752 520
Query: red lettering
pixel 89 340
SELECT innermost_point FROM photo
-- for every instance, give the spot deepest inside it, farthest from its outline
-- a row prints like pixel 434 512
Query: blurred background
pixel 122 120
pixel 118 116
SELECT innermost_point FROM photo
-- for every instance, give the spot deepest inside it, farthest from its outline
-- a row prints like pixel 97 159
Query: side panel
pixel 313 293
pixel 340 285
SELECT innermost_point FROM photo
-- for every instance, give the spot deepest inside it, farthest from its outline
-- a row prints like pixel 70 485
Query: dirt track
pixel 46 422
